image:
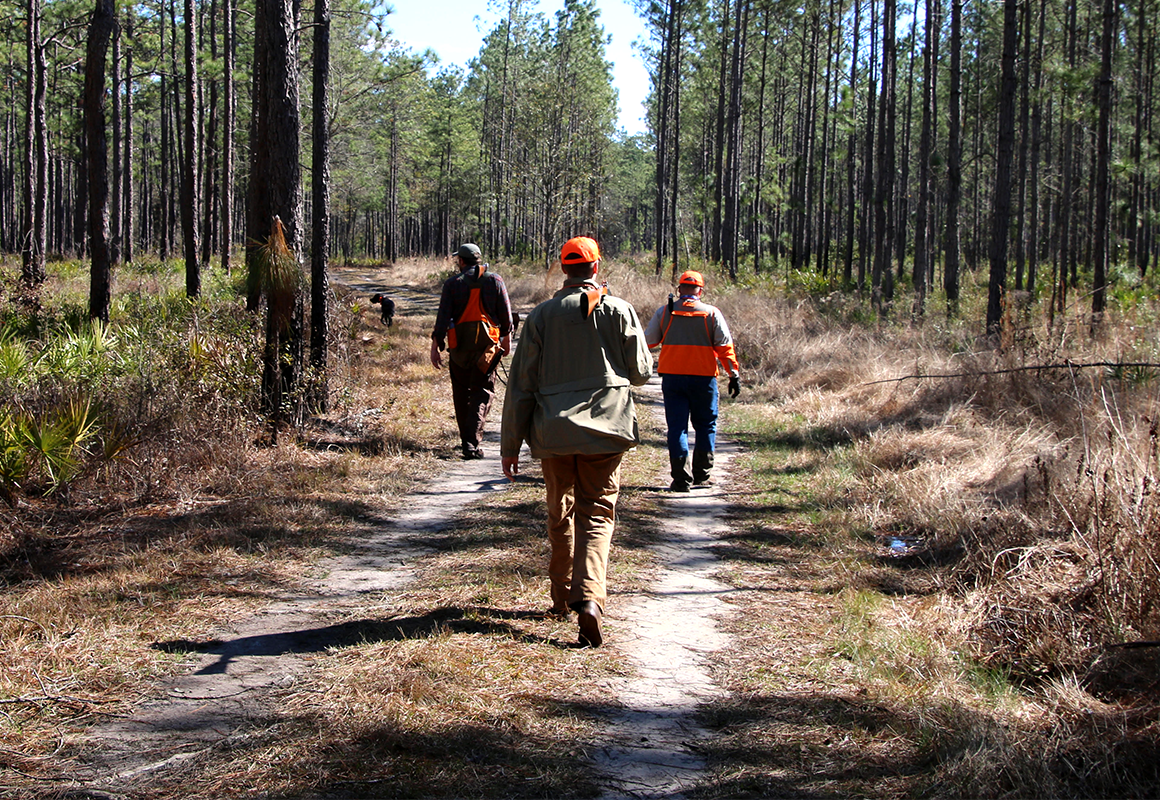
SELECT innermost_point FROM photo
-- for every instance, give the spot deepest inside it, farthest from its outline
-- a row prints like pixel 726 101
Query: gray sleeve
pixel 636 350
pixel 653 332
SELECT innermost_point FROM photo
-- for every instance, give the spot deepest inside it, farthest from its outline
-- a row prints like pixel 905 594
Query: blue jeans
pixel 690 397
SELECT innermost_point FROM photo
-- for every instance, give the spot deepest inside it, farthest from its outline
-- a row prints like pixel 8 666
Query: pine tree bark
pixel 258 210
pixel 36 190
pixel 210 151
pixel 730 179
pixel 320 208
pixel 921 222
pixel 851 152
pixel 719 139
pixel 882 278
pixel 165 180
pixel 127 227
pixel 865 222
pixel 666 81
pixel 1005 146
pixel 228 49
pixel 1103 233
pixel 1033 235
pixel 190 184
pixel 283 361
pixel 101 27
pixel 759 215
pixel 115 207
pixel 954 162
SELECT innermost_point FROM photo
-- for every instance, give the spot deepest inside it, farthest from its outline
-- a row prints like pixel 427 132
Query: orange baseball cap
pixel 580 250
pixel 692 277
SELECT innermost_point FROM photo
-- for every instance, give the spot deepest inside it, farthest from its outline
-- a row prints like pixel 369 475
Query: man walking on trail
pixel 569 396
pixel 475 319
pixel 693 337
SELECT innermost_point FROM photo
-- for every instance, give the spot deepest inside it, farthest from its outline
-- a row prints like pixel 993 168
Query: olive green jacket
pixel 570 381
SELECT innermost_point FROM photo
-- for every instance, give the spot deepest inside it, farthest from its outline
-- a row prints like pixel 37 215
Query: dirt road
pixel 650 744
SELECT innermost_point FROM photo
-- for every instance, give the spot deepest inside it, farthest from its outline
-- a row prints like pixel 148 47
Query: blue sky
pixel 455 29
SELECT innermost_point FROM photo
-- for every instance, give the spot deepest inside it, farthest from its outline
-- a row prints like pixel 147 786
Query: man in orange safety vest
pixel 693 337
pixel 475 319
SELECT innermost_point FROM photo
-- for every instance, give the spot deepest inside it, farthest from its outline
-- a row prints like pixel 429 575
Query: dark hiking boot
pixel 679 470
pixel 702 463
pixel 589 615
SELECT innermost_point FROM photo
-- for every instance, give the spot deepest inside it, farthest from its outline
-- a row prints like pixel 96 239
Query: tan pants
pixel 582 492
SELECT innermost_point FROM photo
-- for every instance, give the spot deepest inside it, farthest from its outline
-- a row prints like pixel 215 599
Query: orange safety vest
pixel 474 330
pixel 687 344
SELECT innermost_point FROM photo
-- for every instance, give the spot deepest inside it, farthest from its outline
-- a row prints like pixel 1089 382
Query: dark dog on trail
pixel 388 307
pixel 515 321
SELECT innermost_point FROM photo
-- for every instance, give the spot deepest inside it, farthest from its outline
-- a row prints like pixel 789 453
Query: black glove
pixel 734 386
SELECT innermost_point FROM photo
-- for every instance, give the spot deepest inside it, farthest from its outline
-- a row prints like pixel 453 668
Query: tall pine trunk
pixel 36 188
pixel 320 208
pixel 921 222
pixel 228 47
pixel 190 194
pixel 115 208
pixel 1103 233
pixel 1001 219
pixel 1033 238
pixel 127 228
pixel 851 156
pixel 865 222
pixel 882 278
pixel 101 27
pixel 282 376
pixel 954 162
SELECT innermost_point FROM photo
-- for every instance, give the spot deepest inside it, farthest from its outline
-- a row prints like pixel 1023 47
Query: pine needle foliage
pixel 281 275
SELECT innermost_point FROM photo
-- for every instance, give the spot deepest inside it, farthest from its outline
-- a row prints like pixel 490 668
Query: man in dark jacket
pixel 474 323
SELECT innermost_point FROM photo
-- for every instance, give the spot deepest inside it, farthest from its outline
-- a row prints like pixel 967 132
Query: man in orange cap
pixel 693 337
pixel 569 396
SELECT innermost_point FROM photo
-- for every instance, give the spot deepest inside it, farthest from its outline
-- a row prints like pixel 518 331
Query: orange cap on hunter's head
pixel 691 277
pixel 580 250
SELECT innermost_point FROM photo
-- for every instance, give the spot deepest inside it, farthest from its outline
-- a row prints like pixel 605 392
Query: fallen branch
pixel 1036 368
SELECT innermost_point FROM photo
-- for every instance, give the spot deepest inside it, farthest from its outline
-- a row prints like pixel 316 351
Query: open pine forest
pixel 932 227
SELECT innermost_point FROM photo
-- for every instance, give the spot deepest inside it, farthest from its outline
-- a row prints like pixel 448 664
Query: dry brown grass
pixel 197 523
pixel 977 662
pixel 460 687
pixel 936 669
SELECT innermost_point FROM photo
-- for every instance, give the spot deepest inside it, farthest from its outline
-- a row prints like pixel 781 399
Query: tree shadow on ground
pixel 827 745
pixel 469 621
pixel 807 746
pixel 496 526
pixel 75 542
pixel 399 757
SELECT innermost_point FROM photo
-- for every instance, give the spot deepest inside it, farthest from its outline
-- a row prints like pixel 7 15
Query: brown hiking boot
pixel 591 630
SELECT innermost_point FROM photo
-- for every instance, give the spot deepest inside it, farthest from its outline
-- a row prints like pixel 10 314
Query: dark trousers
pixel 471 393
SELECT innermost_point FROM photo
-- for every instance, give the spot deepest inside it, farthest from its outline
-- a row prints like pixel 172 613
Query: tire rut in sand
pixel 232 683
pixel 668 633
